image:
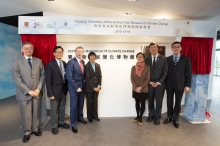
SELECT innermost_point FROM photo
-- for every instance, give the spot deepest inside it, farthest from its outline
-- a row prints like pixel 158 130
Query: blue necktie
pixel 29 62
pixel 175 60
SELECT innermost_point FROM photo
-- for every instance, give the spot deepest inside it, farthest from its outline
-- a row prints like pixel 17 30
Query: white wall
pixel 115 98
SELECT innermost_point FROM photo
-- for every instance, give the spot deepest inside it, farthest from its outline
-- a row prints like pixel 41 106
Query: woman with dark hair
pixel 140 76
pixel 93 86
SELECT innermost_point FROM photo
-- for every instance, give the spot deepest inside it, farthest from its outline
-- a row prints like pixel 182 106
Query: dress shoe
pixel 135 120
pixel 90 121
pixel 64 125
pixel 97 119
pixel 26 138
pixel 149 119
pixel 75 130
pixel 157 121
pixel 176 124
pixel 55 131
pixel 83 121
pixel 37 133
pixel 167 120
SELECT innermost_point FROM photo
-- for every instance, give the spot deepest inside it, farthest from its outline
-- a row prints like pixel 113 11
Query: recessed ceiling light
pixel 127 13
pixel 132 0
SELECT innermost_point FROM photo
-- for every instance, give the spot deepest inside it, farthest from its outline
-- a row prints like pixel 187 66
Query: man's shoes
pixel 176 124
pixel 55 131
pixel 167 120
pixel 149 119
pixel 26 138
pixel 157 121
pixel 90 121
pixel 37 133
pixel 64 125
pixel 83 121
pixel 75 130
pixel 97 119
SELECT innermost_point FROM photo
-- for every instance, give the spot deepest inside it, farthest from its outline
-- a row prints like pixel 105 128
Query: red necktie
pixel 81 65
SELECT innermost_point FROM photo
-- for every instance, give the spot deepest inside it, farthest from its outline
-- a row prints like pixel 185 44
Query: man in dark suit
pixel 28 76
pixel 93 85
pixel 75 74
pixel 158 72
pixel 57 89
pixel 178 80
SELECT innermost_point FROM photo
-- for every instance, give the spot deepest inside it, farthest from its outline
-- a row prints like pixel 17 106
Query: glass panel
pixel 217 63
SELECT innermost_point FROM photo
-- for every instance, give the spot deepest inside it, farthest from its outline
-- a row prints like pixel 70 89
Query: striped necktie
pixel 175 60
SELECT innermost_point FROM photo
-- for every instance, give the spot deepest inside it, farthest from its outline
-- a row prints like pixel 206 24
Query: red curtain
pixel 43 45
pixel 200 52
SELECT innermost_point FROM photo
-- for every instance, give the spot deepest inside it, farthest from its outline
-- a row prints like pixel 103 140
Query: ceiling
pixel 153 9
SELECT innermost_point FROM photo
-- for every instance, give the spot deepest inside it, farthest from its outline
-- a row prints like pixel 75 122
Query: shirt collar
pixel 27 57
pixel 92 63
pixel 177 55
pixel 78 59
pixel 155 56
pixel 58 61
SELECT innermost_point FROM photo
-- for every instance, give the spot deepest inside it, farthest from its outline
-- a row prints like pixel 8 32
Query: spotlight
pixel 127 13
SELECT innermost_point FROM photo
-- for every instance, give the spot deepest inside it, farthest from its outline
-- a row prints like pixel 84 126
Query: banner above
pixel 115 26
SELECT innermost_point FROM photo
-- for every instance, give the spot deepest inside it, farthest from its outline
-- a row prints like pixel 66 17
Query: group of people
pixel 29 76
pixel 152 75
pixel 149 77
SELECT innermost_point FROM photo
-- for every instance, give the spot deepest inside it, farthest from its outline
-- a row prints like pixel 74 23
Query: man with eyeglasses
pixel 28 76
pixel 56 84
pixel 178 81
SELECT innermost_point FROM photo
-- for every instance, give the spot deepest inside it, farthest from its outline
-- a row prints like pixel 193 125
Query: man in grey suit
pixel 158 72
pixel 28 76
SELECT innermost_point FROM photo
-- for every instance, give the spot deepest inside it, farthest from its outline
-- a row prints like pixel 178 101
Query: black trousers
pixel 92 105
pixel 140 107
pixel 173 111
pixel 156 94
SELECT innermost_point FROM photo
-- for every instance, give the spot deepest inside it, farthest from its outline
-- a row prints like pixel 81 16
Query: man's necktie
pixel 61 69
pixel 175 60
pixel 81 66
pixel 154 61
pixel 29 62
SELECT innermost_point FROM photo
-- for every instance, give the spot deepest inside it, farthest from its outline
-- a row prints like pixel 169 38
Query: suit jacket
pixel 74 75
pixel 54 80
pixel 26 79
pixel 160 71
pixel 140 81
pixel 184 72
pixel 93 78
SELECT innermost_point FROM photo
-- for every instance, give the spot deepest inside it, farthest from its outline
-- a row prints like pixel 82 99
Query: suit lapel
pixel 34 63
pixel 90 68
pixel 57 67
pixel 77 64
pixel 170 61
pixel 26 63
pixel 96 69
pixel 179 62
pixel 157 61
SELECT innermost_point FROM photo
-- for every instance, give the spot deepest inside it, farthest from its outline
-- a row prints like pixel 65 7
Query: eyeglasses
pixel 59 52
pixel 28 49
pixel 175 47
